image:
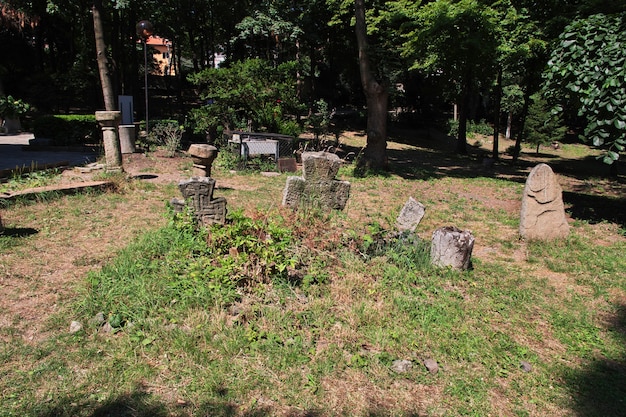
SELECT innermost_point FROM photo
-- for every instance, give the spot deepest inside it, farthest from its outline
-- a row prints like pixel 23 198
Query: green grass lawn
pixel 304 313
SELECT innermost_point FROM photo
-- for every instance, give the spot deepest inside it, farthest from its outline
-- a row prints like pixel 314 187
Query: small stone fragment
pixel 526 367
pixel 431 365
pixel 98 319
pixel 75 326
pixel 107 328
pixel 401 366
pixel 410 215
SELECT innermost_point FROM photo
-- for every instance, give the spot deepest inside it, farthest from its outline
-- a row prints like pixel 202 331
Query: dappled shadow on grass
pixel 135 404
pixel 18 232
pixel 595 209
pixel 434 157
pixel 599 387
pixel 142 404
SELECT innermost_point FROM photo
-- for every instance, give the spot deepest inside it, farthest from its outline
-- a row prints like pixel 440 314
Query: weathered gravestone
pixel 410 216
pixel 452 247
pixel 543 214
pixel 198 192
pixel 317 185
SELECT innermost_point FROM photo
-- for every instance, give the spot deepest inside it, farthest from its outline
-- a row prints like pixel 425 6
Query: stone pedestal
pixel 12 125
pixel 109 122
pixel 127 138
pixel 202 155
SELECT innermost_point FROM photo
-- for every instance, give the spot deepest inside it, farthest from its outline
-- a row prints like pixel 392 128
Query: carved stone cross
pixel 198 193
pixel 318 184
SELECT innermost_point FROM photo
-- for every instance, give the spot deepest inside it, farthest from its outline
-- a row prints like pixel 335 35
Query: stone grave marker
pixel 543 213
pixel 317 184
pixel 410 215
pixel 452 247
pixel 198 193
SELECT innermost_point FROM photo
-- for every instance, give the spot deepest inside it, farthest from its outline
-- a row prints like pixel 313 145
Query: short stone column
pixel 109 122
pixel 202 155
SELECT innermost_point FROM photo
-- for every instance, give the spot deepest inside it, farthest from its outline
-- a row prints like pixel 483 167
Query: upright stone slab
pixel 198 192
pixel 452 247
pixel 317 184
pixel 109 122
pixel 410 215
pixel 543 213
pixel 127 138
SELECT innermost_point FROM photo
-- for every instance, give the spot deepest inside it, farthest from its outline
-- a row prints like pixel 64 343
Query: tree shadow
pixel 432 156
pixel 595 209
pixel 135 404
pixel 140 403
pixel 599 389
pixel 18 231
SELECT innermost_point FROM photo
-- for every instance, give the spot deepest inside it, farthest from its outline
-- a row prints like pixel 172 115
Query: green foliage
pixel 543 127
pixel 481 128
pixel 587 73
pixel 12 108
pixel 453 40
pixel 30 180
pixel 320 118
pixel 248 94
pixel 180 266
pixel 512 98
pixel 66 130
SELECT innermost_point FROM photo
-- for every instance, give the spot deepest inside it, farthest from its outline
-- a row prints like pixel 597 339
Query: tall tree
pixel 108 91
pixel 457 41
pixel 377 95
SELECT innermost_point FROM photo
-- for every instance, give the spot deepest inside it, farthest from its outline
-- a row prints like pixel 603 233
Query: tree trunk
pixel 496 116
pixel 520 135
pixel 461 140
pixel 103 63
pixel 375 154
pixel 509 125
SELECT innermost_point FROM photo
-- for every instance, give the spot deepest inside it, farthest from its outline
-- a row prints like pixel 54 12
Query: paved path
pixel 14 152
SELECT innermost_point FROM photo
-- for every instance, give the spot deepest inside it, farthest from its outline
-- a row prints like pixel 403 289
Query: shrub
pixel 66 130
pixel 166 133
pixel 250 94
pixel 12 108
pixel 482 128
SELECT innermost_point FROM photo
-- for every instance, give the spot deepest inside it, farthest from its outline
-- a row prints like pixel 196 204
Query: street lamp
pixel 144 30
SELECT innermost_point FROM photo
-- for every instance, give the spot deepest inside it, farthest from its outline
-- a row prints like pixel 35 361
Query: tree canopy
pixel 424 55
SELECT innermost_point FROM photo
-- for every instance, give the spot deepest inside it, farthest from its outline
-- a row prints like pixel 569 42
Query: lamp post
pixel 144 30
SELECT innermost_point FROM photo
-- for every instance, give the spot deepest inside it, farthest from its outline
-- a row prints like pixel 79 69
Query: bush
pixel 67 130
pixel 481 128
pixel 166 133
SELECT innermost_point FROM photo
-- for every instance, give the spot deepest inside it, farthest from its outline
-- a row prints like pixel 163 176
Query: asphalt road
pixel 15 153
